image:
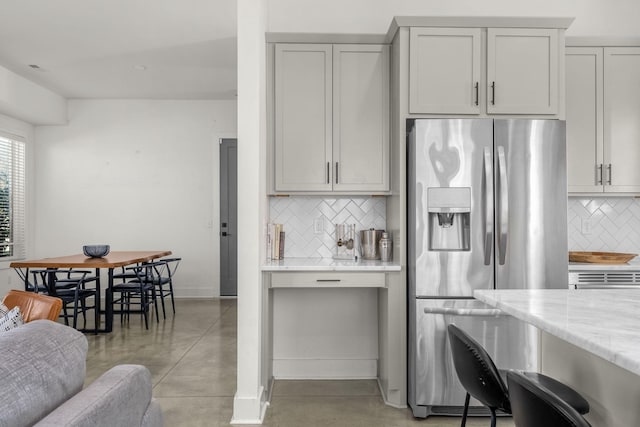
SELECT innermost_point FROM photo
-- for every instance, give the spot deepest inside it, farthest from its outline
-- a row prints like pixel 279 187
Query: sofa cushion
pixel 43 365
pixel 11 320
pixel 3 309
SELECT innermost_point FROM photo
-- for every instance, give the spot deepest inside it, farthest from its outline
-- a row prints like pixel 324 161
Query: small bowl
pixel 95 251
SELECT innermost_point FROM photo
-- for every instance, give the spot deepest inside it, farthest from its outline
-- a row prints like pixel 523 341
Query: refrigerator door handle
pixel 475 312
pixel 488 205
pixel 503 209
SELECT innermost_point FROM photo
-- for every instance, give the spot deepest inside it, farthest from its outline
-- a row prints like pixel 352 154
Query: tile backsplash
pixel 602 224
pixel 298 215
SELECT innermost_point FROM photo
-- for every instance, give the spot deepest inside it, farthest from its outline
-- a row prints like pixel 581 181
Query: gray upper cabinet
pixel 603 130
pixel 484 71
pixel 361 118
pixel 331 118
pixel 444 70
pixel 584 119
pixel 522 71
pixel 303 117
pixel 622 119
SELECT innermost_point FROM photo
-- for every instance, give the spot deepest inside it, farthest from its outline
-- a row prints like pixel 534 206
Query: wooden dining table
pixel 112 260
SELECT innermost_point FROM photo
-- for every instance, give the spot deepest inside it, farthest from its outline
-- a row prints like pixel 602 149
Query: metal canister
pixel 386 247
pixel 370 243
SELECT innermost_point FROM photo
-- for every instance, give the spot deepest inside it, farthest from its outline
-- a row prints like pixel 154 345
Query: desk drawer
pixel 328 280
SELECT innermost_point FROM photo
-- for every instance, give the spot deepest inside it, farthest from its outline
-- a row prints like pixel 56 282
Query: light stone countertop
pixel 603 322
pixel 328 264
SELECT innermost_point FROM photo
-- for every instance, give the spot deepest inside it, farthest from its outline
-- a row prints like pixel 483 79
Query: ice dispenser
pixel 449 218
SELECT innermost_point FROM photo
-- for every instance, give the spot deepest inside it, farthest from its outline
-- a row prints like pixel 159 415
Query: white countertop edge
pixel 633 265
pixel 630 361
pixel 328 264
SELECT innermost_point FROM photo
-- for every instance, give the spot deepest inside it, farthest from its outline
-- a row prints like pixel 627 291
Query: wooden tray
pixel 601 257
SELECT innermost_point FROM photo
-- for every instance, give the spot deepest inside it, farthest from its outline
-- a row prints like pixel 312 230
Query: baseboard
pixel 386 399
pixel 325 368
pixel 194 292
pixel 249 410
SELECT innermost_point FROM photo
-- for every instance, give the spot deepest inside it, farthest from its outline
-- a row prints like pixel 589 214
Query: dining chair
pixel 163 280
pixel 137 289
pixel 533 405
pixel 482 380
pixel 70 287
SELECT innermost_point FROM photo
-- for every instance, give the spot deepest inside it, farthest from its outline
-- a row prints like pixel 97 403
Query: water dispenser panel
pixel 449 218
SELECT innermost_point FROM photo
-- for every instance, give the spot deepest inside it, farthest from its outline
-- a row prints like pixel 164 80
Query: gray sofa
pixel 42 370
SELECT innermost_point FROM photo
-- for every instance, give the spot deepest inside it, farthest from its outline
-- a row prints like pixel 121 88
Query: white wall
pixel 25 100
pixel 8 278
pixel 138 175
pixel 593 17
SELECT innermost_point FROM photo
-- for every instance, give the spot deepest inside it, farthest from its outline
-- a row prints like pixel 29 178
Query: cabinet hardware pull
pixel 599 174
pixel 328 167
pixel 327 280
pixel 336 172
pixel 477 94
pixel 493 93
pixel 609 174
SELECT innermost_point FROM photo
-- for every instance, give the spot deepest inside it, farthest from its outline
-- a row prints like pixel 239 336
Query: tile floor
pixel 192 358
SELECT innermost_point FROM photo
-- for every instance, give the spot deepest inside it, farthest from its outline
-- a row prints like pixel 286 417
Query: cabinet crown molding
pixel 326 38
pixel 477 22
pixel 601 41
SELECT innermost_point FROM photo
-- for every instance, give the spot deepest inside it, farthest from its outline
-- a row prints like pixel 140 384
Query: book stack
pixel 275 241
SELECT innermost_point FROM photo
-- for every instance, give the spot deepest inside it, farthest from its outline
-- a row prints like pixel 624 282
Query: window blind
pixel 12 197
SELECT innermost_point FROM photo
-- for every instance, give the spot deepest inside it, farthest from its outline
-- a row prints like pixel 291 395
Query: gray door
pixel 531 204
pixel 228 217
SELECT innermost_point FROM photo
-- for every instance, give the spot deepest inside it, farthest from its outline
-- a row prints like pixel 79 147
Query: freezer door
pixel 531 204
pixel 450 169
pixel 434 385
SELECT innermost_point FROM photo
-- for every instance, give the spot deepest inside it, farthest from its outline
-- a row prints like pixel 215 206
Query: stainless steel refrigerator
pixel 487 209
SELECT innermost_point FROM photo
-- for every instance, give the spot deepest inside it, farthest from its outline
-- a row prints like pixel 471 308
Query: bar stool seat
pixel 563 391
pixel 534 405
pixel 482 380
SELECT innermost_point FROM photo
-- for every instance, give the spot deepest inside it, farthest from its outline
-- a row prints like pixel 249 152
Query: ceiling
pixel 150 49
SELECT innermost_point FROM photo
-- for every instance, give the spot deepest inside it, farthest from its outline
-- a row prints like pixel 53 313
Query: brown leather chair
pixel 33 306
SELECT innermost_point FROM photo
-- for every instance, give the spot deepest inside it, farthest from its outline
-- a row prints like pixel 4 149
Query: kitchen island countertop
pixel 602 322
pixel 328 264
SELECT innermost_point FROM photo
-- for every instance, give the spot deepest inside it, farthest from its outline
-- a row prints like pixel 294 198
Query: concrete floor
pixel 192 358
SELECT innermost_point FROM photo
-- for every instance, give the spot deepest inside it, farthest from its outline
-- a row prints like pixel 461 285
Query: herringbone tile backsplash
pixel 298 214
pixel 599 224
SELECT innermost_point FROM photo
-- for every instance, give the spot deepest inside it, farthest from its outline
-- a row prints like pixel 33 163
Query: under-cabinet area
pixel 333 320
pixel 325 324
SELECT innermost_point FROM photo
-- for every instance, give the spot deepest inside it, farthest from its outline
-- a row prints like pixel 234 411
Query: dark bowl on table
pixel 95 251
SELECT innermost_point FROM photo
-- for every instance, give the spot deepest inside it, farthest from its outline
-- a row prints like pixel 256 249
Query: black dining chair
pixel 139 290
pixel 533 405
pixel 163 280
pixel 70 287
pixel 482 380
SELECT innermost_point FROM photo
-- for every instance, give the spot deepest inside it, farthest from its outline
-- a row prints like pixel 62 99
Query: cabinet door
pixel 444 70
pixel 361 117
pixel 303 99
pixel 522 71
pixel 584 117
pixel 622 119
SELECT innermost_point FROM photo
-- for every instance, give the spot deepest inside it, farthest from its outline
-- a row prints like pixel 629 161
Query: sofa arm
pixel 42 366
pixel 120 397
